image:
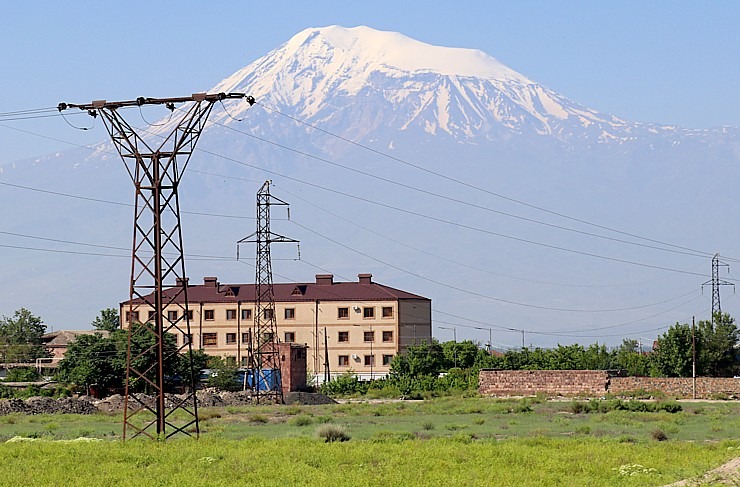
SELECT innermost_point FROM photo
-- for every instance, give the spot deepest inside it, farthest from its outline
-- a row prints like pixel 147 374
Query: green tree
pixel 224 376
pixel 672 356
pixel 718 353
pixel 462 355
pixel 419 360
pixel 629 358
pixel 94 360
pixel 98 360
pixel 108 320
pixel 20 337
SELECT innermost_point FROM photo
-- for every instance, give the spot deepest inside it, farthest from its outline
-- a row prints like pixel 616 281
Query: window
pixel 267 313
pixel 245 337
pixel 190 315
pixel 172 315
pixel 208 315
pixel 230 360
pixel 343 336
pixel 289 313
pixel 132 315
pixel 267 337
pixel 187 338
pixel 369 360
pixel 246 314
pixel 387 359
pixel 210 339
pixel 368 312
pixel 344 360
pixel 245 361
pixel 175 337
pixel 231 338
pixel 387 336
pixel 387 311
pixel 230 314
pixel 369 336
pixel 151 317
pixel 289 337
pixel 343 313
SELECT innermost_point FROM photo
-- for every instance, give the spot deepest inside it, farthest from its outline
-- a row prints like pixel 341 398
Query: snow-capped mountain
pixel 344 119
pixel 332 74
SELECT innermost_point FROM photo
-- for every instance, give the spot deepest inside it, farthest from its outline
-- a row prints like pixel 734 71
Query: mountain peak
pixel 392 50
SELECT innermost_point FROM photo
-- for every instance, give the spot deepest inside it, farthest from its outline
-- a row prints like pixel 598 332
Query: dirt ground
pixel 727 474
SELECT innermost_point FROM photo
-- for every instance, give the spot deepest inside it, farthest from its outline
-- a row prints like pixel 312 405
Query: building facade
pixel 353 327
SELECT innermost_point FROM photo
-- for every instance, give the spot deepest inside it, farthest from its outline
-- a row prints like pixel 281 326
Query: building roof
pixel 62 338
pixel 323 289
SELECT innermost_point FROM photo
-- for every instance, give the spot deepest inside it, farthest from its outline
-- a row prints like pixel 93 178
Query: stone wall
pixel 552 382
pixel 597 383
pixel 678 387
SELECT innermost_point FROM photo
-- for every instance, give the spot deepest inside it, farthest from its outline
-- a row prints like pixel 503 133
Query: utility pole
pixel 693 356
pixel 327 367
pixel 265 355
pixel 158 284
pixel 716 282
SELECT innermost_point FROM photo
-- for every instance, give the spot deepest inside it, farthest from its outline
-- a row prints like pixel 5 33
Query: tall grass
pixel 403 461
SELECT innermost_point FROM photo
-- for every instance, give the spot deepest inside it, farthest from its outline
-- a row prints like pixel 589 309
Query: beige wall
pixel 414 317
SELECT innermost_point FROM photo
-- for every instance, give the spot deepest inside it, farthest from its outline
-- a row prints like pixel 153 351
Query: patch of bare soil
pixel 727 474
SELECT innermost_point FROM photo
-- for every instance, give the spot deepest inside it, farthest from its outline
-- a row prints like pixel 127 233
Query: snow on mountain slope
pixel 322 74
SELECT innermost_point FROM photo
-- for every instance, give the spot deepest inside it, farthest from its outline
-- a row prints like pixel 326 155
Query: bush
pixel 332 432
pixel 658 435
pixel 22 374
pixel 669 407
pixel 302 420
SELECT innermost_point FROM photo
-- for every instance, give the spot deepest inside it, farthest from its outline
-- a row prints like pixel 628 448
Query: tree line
pixel 100 359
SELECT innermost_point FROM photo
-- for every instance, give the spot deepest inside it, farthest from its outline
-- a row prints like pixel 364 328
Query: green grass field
pixel 453 441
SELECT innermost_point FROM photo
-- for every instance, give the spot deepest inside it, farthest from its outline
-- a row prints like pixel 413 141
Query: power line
pixel 439 220
pixel 493 298
pixel 472 186
pixel 456 200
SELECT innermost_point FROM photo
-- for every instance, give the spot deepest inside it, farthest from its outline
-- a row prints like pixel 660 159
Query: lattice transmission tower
pixel 158 304
pixel 716 282
pixel 264 354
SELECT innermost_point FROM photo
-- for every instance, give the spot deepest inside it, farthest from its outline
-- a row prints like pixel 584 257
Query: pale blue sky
pixel 671 62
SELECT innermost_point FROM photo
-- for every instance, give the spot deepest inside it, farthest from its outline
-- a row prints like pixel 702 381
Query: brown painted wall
pixel 597 383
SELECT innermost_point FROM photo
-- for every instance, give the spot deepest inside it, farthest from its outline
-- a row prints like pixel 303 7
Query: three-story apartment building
pixel 359 326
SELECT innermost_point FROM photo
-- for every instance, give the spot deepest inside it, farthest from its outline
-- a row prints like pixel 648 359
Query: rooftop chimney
pixel 365 278
pixel 324 279
pixel 210 281
pixel 181 282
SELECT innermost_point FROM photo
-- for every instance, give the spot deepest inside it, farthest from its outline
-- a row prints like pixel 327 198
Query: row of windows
pixel 211 339
pixel 288 314
pixel 367 312
pixel 369 360
pixel 367 336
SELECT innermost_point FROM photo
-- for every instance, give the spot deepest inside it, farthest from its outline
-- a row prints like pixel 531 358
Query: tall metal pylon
pixel 158 283
pixel 716 282
pixel 264 359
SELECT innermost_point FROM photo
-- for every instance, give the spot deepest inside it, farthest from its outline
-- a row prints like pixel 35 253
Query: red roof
pixel 323 290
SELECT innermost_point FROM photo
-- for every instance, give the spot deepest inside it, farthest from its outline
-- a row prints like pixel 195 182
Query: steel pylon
pixel 158 306
pixel 264 357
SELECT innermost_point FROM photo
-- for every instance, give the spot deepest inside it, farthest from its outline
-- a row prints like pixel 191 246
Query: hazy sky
pixel 671 62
